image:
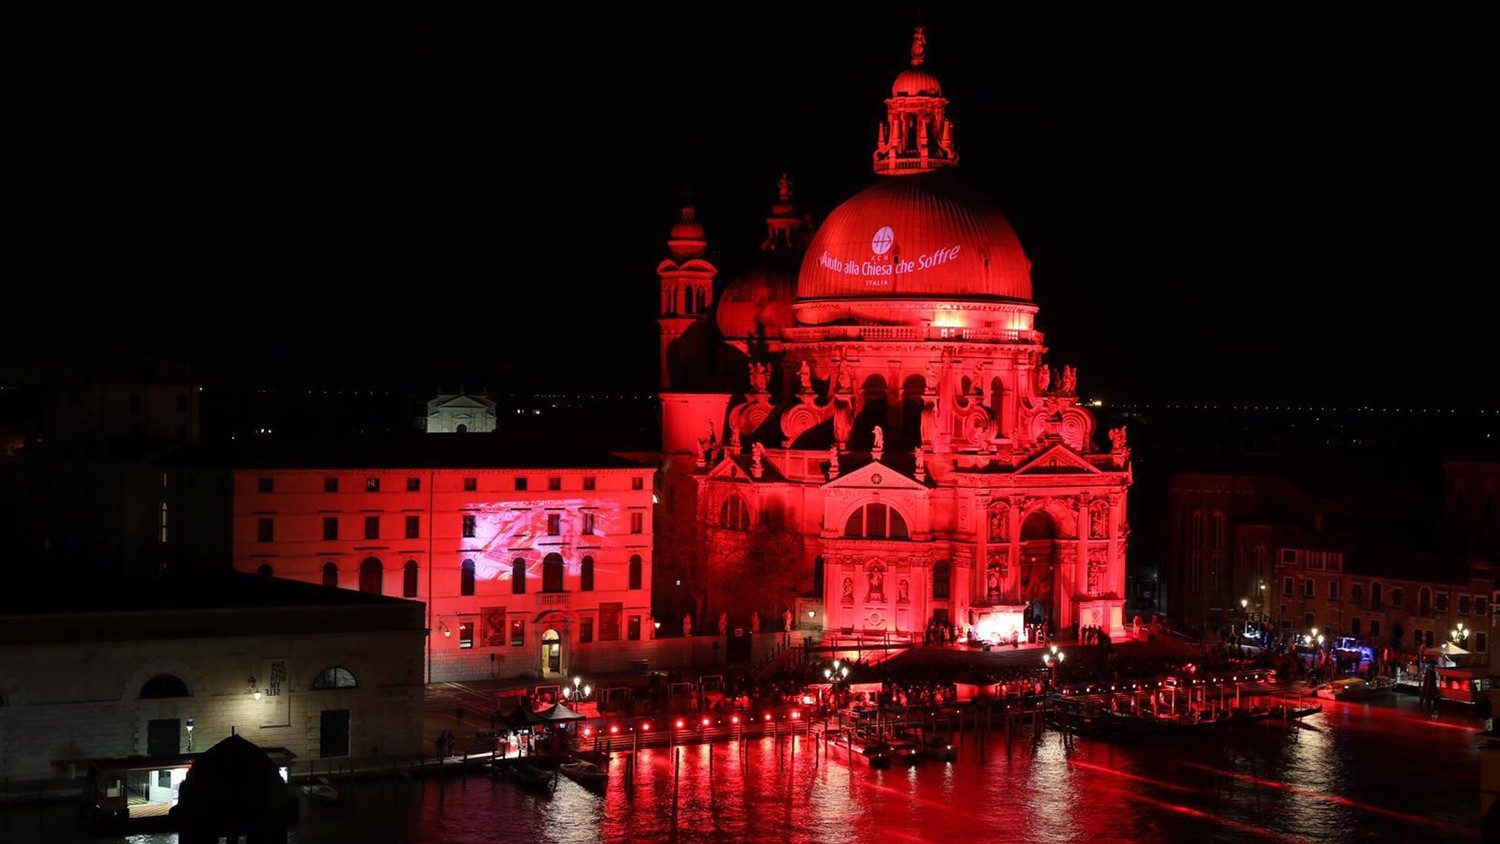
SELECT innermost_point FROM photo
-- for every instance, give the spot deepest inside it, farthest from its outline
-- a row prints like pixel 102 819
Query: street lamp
pixel 578 691
pixel 837 672
pixel 1244 603
pixel 1459 634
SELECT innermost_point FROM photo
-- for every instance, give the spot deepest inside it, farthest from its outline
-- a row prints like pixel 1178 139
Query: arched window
pixel 331 575
pixel 461 429
pixel 466 578
pixel 1398 631
pixel 371 577
pixel 552 573
pixel 940 582
pixel 1376 596
pixel 586 575
pixel 518 576
pixel 687 300
pixel 1424 602
pixel 1197 528
pixel 335 678
pixel 818 575
pixel 265 570
pixel 1218 531
pixel 734 515
pixel 164 686
pixel 702 301
pixel 409 575
pixel 635 571
pixel 875 521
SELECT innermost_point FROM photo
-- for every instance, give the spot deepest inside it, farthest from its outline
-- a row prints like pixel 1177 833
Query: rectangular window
pixel 265 530
pixel 1289 587
pixel 1288 556
pixel 1440 602
pixel 637 523
pixel 333 733
pixel 1357 593
pixel 518 631
pixel 1429 638
pixel 469 526
pixel 1481 605
pixel 1286 624
pixel 588 522
pixel 1463 604
pixel 609 621
pixel 372 527
pixel 590 483
pixel 520 484
pixel 585 630
pixel 1333 590
pixel 637 484
pixel 413 527
pixel 372 484
pixel 330 528
pixel 471 484
pixel 413 484
pixel 1374 628
pixel 554 484
pixel 1482 642
pixel 1354 626
pixel 466 634
pixel 265 484
pixel 1398 597
pixel 1309 588
pixel 330 484
pixel 1307 619
pixel 633 632
pixel 554 524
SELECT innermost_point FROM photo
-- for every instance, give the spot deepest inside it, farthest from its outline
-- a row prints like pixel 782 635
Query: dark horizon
pixel 1263 213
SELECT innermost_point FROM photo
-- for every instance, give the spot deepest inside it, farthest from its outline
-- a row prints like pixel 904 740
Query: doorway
pixel 333 733
pixel 1039 552
pixel 163 737
pixel 551 653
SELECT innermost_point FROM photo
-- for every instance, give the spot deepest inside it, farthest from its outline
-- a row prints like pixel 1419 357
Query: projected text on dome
pixel 878 273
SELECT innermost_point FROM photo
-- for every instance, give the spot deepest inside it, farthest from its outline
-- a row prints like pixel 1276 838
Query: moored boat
pixel 533 778
pixel 1355 688
pixel 585 773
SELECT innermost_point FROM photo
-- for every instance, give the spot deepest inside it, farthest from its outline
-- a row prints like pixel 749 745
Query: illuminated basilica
pixel 866 417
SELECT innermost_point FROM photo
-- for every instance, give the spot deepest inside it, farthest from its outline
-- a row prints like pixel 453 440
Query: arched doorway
pixel 552 656
pixel 1039 554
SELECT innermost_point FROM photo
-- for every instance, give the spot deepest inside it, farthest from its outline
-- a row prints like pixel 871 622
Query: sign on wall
pixel 276 697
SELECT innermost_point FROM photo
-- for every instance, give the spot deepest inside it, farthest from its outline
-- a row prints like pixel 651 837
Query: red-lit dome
pixel 917 82
pixel 925 236
pixel 758 303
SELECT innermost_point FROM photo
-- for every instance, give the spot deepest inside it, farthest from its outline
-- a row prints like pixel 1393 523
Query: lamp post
pixel 1459 635
pixel 579 691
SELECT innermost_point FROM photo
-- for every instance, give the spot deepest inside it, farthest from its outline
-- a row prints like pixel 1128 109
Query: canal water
pixel 1355 772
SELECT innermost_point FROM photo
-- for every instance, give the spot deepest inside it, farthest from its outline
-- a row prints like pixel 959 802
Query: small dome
pixel 687 239
pixel 917 82
pixel 758 303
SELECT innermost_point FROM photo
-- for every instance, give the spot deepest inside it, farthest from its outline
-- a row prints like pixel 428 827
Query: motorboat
pixel 903 750
pixel 860 746
pixel 321 789
pixel 533 778
pixel 1355 688
pixel 585 773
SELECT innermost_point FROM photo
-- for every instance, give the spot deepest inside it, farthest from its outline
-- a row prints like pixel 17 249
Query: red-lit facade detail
pixel 893 431
pixel 522 570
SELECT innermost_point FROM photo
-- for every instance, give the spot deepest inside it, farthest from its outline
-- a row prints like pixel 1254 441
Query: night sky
pixel 1272 207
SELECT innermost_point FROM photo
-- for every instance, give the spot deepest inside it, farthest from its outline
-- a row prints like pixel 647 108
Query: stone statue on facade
pixel 1069 381
pixel 848 590
pixel 723 624
pixel 757 455
pixel 760 376
pixel 879 434
pixel 845 377
pixel 804 374
pixel 755 622
pixel 1117 438
pixel 687 624
pixel 930 376
pixel 1043 379
pixel 876 591
pixel 903 588
pixel 833 461
pixel 786 620
pixel 919 457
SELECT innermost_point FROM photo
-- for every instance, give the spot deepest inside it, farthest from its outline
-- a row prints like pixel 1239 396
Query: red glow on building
pixel 889 420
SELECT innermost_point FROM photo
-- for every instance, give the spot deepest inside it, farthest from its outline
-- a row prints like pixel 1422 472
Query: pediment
pixel 874 475
pixel 463 403
pixel 1058 460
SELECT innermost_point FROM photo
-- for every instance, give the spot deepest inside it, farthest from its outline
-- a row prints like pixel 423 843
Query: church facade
pixel 863 432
